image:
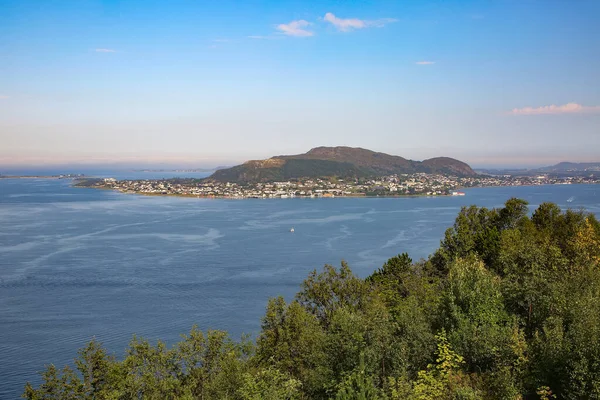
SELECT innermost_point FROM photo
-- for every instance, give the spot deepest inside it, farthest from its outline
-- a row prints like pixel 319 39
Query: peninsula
pixel 332 172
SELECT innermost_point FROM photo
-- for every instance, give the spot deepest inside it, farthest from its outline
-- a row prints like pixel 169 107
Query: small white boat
pixel 570 199
pixel 292 230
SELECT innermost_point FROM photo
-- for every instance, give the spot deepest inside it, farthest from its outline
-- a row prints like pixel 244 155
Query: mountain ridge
pixel 566 166
pixel 341 162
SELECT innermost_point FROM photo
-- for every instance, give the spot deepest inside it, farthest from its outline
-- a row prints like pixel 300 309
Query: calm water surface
pixel 78 263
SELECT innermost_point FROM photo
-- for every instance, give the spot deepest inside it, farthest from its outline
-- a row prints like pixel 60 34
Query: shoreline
pixel 193 196
pixel 321 197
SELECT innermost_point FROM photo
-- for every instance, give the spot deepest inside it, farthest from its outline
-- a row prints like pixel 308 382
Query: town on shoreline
pixel 418 184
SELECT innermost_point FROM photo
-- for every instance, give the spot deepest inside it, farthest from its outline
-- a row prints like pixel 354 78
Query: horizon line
pixel 170 164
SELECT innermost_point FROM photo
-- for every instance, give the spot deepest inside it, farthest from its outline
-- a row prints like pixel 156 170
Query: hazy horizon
pixel 210 164
pixel 204 84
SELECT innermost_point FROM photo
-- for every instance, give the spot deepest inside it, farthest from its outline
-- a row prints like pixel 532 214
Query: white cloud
pixel 295 28
pixel 380 23
pixel 3 97
pixel 261 37
pixel 105 51
pixel 569 108
pixel 348 24
pixel 345 25
pixel 425 62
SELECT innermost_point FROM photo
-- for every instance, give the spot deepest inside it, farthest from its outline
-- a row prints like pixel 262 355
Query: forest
pixel 508 307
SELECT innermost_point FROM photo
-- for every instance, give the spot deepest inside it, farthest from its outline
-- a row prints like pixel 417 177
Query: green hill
pixel 342 162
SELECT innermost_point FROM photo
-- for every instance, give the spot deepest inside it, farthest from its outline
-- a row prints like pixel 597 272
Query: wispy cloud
pixel 263 37
pixel 3 97
pixel 349 24
pixel 345 24
pixel 380 23
pixel 425 62
pixel 105 51
pixel 222 40
pixel 569 108
pixel 295 28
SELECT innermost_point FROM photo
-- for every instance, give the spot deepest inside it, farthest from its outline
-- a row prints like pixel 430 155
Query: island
pixel 334 172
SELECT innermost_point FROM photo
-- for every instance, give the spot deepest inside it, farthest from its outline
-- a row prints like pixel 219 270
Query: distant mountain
pixel 342 162
pixel 571 167
pixel 506 171
pixel 562 169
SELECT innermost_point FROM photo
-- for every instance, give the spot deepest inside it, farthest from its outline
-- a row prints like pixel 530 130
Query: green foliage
pixel 445 379
pixel 545 393
pixel 95 367
pixel 411 297
pixel 477 231
pixel 473 313
pixel 358 385
pixel 289 169
pixel 56 385
pixel 391 276
pixel 200 366
pixel 269 384
pixel 507 308
pixel 292 341
pixel 211 365
pixel 323 293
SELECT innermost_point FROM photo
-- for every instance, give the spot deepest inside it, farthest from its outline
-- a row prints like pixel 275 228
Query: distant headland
pixel 332 172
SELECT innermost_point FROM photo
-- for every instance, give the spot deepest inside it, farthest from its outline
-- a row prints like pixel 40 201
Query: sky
pixel 204 83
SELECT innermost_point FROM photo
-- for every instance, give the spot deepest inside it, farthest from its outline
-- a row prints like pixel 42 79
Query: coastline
pixel 193 196
pixel 318 197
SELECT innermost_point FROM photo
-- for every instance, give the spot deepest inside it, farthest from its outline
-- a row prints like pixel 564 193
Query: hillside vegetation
pixel 508 307
pixel 341 162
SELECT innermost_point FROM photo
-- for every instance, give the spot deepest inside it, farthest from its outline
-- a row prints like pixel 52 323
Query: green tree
pixel 292 341
pixel 56 385
pixel 211 365
pixel 97 370
pixel 269 384
pixel 323 293
pixel 411 297
pixel 358 385
pixel 444 379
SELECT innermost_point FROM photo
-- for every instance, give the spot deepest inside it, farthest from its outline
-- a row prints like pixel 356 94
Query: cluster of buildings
pixel 512 180
pixel 393 185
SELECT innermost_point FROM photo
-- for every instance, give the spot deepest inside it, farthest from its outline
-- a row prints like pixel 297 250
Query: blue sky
pixel 204 83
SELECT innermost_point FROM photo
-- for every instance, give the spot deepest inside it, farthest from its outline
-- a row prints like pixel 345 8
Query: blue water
pixel 77 263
